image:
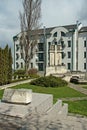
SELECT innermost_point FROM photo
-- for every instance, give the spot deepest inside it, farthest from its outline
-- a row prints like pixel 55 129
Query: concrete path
pixel 14 84
pixel 78 88
pixel 74 99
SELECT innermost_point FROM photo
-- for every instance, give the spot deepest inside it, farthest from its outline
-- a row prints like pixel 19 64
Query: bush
pixel 33 73
pixel 49 81
pixel 20 72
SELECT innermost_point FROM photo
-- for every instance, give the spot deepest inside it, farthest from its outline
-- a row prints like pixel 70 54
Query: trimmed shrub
pixel 49 81
pixel 20 72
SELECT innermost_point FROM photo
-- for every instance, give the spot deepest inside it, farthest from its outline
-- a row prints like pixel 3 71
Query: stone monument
pixel 17 96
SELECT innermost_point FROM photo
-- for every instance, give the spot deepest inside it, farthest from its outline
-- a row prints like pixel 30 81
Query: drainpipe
pixel 79 26
pixel 45 62
pixel 86 61
pixel 77 47
pixel 72 50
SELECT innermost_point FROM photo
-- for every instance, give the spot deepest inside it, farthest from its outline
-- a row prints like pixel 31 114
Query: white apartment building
pixel 59 49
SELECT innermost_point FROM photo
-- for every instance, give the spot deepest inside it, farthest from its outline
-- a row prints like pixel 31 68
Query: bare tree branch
pixel 29 22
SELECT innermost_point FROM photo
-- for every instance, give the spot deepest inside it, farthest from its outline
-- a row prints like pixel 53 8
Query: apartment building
pixel 59 49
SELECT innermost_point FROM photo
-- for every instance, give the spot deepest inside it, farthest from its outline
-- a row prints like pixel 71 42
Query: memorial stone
pixel 19 96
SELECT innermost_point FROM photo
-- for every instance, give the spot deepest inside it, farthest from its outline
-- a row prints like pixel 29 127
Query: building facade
pixel 59 49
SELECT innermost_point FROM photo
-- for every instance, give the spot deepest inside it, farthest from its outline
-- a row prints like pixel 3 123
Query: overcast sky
pixel 54 13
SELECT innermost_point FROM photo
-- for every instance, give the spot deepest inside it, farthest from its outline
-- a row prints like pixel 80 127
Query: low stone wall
pixel 58 110
pixel 56 70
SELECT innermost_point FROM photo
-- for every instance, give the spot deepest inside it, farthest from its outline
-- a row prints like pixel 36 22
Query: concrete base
pixel 40 104
pixel 56 70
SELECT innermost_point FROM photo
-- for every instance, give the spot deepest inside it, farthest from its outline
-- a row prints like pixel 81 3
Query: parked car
pixel 74 79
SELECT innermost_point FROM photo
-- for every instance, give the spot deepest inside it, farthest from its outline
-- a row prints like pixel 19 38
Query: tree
pixel 1 66
pixel 9 66
pixel 29 20
pixel 5 65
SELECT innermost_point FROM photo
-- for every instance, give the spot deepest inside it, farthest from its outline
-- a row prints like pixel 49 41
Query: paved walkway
pixel 74 99
pixel 78 88
pixel 14 84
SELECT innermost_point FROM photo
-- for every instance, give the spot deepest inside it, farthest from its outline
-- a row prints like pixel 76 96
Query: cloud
pixel 61 12
pixel 54 13
pixel 9 21
pixel 83 12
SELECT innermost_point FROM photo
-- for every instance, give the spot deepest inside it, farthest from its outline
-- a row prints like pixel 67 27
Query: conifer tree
pixel 6 63
pixel 10 66
pixel 0 66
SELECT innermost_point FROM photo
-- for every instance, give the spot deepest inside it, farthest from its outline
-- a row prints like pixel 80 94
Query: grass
pixel 60 92
pixel 78 107
pixel 1 93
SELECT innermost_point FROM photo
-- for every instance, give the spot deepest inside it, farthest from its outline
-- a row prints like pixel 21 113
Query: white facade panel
pixel 72 49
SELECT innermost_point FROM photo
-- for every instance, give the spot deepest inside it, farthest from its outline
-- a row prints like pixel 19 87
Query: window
pixel 21 55
pixel 49 44
pixel 17 56
pixel 40 46
pixel 21 65
pixel 40 66
pixel 63 34
pixel 55 43
pixel 41 57
pixel 17 47
pixel 15 38
pixel 69 66
pixel 85 43
pixel 69 43
pixel 63 55
pixel 41 38
pixel 17 65
pixel 21 46
pixel 62 44
pixel 69 54
pixel 31 65
pixel 84 54
pixel 55 34
pixel 85 66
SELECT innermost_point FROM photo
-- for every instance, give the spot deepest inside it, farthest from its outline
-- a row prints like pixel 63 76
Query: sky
pixel 54 13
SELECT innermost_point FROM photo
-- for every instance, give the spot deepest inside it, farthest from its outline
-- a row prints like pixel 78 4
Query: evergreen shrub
pixel 19 73
pixel 49 81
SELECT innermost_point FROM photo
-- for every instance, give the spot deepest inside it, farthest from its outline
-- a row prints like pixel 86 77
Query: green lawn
pixel 78 107
pixel 60 92
pixel 1 93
